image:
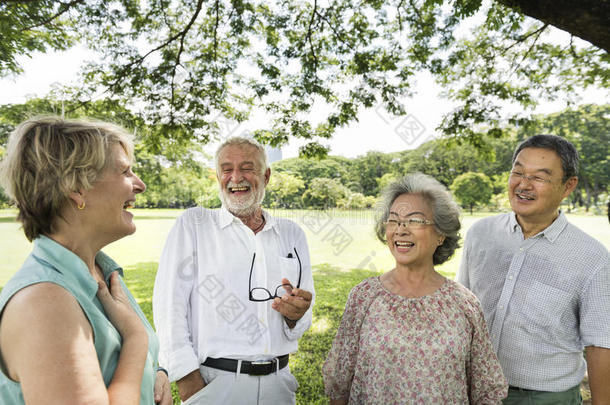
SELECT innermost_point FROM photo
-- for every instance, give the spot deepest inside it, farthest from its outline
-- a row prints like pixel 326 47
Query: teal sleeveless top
pixel 52 263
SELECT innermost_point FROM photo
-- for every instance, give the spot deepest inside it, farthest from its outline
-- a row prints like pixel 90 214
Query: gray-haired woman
pixel 411 335
pixel 70 331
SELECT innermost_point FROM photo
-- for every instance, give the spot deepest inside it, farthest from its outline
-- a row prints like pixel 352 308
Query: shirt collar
pixel 551 232
pixel 512 219
pixel 71 266
pixel 226 219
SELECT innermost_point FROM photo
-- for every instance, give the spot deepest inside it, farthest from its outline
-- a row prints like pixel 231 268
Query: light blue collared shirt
pixel 544 298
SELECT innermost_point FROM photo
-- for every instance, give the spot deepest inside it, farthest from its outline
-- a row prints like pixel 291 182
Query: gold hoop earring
pixel 81 206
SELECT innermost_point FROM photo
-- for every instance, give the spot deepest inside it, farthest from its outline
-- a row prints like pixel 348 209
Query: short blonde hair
pixel 47 158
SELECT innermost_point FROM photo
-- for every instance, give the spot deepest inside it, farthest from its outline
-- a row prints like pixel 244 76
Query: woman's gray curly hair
pixel 446 212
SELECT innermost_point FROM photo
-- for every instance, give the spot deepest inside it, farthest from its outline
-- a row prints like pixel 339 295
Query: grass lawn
pixel 343 239
pixel 343 249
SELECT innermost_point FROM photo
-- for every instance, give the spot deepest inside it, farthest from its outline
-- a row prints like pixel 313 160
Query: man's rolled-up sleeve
pixel 171 297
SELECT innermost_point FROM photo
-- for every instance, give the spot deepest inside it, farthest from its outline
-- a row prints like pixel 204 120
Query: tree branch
pixel 398 7
pixel 572 50
pixel 180 34
pixel 216 7
pixel 587 19
pixel 332 28
pixel 308 36
pixel 421 18
pixel 523 38
pixel 61 11
pixel 540 31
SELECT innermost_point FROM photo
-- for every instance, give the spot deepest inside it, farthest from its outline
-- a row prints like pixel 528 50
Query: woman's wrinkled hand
pixel 119 309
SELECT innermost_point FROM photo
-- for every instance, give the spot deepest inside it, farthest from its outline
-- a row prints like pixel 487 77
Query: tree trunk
pixel 586 19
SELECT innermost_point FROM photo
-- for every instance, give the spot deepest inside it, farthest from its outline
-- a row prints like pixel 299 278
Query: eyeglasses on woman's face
pixel 260 294
pixel 412 223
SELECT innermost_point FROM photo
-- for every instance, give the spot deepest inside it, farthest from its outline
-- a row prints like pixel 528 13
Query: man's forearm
pixel 598 364
pixel 190 384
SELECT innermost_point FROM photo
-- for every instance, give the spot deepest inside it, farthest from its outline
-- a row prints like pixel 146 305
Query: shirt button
pixel 501 307
pixel 521 249
pixel 510 277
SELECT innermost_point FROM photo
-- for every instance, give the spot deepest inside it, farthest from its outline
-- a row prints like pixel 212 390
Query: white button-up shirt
pixel 200 302
pixel 544 298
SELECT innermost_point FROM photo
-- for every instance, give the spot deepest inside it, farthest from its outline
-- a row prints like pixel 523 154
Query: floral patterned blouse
pixel 429 350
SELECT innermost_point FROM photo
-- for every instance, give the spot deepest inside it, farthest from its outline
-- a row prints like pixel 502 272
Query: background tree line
pixel 181 176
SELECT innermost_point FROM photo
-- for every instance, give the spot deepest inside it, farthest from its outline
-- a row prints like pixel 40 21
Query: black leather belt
pixel 264 367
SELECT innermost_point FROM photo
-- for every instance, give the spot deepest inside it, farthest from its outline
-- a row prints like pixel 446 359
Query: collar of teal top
pixel 70 265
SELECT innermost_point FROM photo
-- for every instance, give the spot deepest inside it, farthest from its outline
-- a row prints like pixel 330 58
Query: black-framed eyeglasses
pixel 260 294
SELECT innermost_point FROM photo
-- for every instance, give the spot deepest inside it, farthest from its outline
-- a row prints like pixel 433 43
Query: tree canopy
pixel 184 64
pixel 180 178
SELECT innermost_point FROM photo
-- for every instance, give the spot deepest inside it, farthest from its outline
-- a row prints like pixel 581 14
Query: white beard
pixel 242 206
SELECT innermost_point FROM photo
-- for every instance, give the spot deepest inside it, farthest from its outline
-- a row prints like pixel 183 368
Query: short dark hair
pixel 561 146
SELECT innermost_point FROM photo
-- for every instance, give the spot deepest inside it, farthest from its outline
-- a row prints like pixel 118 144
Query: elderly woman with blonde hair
pixel 70 331
pixel 412 336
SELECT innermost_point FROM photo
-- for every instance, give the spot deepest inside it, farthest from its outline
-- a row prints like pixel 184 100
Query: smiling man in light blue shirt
pixel 544 284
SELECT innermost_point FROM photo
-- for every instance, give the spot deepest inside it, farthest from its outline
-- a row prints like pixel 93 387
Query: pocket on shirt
pixel 290 269
pixel 545 305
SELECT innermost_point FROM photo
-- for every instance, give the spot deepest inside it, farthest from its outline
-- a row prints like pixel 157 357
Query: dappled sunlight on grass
pixel 320 325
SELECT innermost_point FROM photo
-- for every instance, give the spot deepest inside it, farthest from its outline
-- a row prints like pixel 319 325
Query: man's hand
pixel 190 384
pixel 294 303
pixel 163 390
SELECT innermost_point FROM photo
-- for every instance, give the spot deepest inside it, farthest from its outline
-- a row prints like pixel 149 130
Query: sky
pixel 375 130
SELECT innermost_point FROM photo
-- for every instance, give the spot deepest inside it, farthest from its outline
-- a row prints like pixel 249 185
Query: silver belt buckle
pixel 260 371
pixel 260 362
